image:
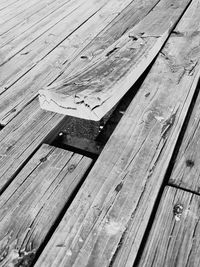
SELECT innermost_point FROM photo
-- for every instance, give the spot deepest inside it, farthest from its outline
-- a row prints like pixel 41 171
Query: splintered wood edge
pixel 52 101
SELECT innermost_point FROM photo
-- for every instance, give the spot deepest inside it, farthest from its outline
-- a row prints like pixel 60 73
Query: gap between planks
pixel 45 72
pixel 185 173
pixel 174 238
pixel 34 202
pixel 111 211
pixel 100 84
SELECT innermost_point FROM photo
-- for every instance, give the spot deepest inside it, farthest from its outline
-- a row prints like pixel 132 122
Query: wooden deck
pixel 112 177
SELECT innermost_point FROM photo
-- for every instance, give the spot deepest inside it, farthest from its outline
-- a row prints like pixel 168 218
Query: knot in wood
pixel 189 163
pixel 71 168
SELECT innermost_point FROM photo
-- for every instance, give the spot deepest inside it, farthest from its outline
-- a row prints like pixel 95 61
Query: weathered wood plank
pixel 23 136
pixel 32 127
pixel 63 16
pixel 106 78
pixel 18 46
pixel 31 204
pixel 22 22
pixel 111 211
pixel 125 20
pixel 15 9
pixel 174 239
pixel 104 25
pixel 5 4
pixel 186 171
pixel 66 18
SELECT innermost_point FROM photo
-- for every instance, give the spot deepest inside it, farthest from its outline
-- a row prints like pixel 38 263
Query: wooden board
pixel 52 25
pixel 91 93
pixel 20 81
pixel 111 211
pixel 15 9
pixel 174 240
pixel 32 203
pixel 22 22
pixel 21 138
pixel 186 171
pixel 32 127
pixel 6 3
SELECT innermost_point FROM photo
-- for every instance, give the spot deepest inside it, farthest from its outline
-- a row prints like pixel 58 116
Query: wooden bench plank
pixel 174 239
pixel 94 91
pixel 106 222
pixel 104 25
pixel 32 203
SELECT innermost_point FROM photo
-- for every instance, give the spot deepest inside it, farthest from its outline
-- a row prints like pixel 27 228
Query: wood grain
pixel 106 222
pixel 22 22
pixel 7 3
pixel 45 29
pixel 174 240
pixel 18 89
pixel 32 203
pixel 186 171
pixel 16 8
pixel 21 138
pixel 107 77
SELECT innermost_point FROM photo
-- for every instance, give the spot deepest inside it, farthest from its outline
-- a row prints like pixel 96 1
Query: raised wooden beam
pixel 92 92
pixel 106 222
pixel 186 171
pixel 32 203
pixel 174 239
pixel 21 76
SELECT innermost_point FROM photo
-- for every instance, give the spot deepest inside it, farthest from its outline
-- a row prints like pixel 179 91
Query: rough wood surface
pixel 14 9
pixel 32 127
pixel 21 79
pixel 22 22
pixel 186 171
pixel 31 204
pixel 6 4
pixel 174 239
pixel 91 93
pixel 106 221
pixel 23 136
pixel 68 17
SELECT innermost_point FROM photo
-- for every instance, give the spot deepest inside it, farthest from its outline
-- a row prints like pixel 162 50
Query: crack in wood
pixel 167 125
pixel 11 256
pixel 112 51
